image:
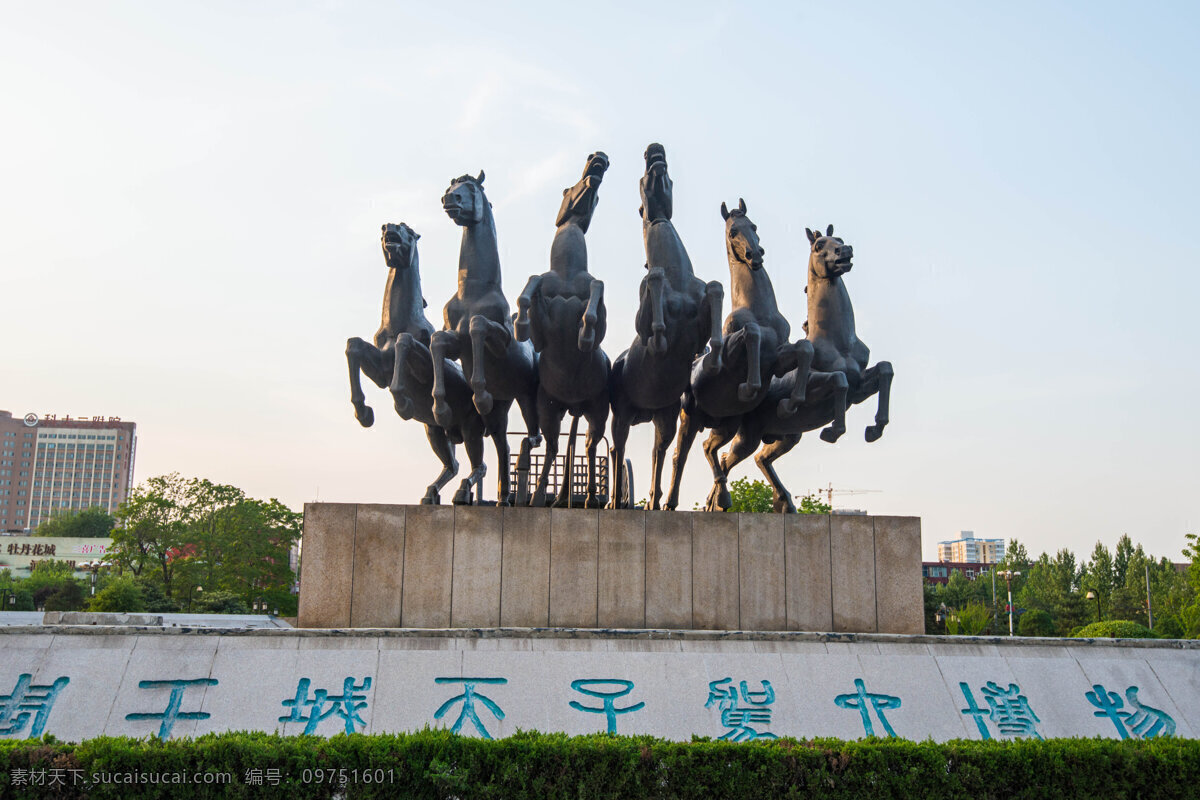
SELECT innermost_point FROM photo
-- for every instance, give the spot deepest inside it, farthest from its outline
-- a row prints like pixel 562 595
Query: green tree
pixel 14 595
pixel 812 504
pixel 121 595
pixel 748 495
pixel 1036 623
pixel 152 531
pixel 970 620
pixel 68 596
pixel 49 578
pixel 222 603
pixel 92 522
pixel 1100 577
pixel 1052 585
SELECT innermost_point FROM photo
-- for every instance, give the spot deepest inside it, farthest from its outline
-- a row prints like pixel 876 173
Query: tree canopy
pixel 92 522
pixel 191 536
pixel 1050 594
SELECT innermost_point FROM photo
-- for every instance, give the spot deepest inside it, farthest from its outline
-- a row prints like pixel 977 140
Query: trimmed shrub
pixel 1114 629
pixel 1036 623
pixel 121 595
pixel 438 764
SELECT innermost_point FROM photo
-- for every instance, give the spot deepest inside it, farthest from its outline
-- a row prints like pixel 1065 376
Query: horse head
pixel 741 237
pixel 831 257
pixel 579 201
pixel 655 186
pixel 464 202
pixel 399 246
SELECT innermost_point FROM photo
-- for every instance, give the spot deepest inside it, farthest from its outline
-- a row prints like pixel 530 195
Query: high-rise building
pixel 51 465
pixel 969 550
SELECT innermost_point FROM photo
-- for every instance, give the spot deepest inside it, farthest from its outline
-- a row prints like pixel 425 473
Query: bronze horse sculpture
pixel 400 360
pixel 839 374
pixel 754 349
pixel 562 313
pixel 478 331
pixel 677 316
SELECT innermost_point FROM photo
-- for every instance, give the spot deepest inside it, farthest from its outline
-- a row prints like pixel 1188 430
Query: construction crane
pixel 829 492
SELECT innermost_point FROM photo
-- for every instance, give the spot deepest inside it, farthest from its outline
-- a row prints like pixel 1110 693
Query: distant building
pixel 51 466
pixel 939 571
pixel 969 550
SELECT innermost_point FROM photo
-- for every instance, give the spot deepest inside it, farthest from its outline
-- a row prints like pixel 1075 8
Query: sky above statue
pixel 192 196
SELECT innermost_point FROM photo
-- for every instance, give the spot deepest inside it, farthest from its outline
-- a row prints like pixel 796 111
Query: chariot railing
pixel 568 478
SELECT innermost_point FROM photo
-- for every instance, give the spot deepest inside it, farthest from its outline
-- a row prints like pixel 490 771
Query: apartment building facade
pixel 52 464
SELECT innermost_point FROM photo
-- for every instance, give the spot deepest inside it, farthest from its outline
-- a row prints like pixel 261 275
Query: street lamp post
pixel 94 568
pixel 1008 575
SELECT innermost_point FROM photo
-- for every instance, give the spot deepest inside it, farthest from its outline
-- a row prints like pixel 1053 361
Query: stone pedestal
pixel 381 566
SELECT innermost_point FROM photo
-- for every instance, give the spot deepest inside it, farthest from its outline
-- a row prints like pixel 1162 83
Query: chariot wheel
pixel 626 493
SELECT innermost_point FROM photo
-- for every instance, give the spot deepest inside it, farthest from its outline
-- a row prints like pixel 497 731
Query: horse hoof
pixel 592 501
pixel 832 434
pixel 404 407
pixel 874 432
pixel 587 342
pixel 462 497
pixel 431 498
pixel 483 404
pixel 658 344
pixel 506 501
pixel 365 416
pixel 521 330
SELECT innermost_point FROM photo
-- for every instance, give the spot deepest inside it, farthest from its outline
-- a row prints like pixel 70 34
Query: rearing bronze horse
pixel 755 348
pixel 562 312
pixel 478 331
pixel 401 353
pixel 678 315
pixel 839 373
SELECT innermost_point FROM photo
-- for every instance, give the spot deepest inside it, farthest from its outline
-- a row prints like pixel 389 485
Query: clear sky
pixel 191 196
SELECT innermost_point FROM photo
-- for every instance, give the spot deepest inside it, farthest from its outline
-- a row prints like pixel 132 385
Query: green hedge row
pixel 438 764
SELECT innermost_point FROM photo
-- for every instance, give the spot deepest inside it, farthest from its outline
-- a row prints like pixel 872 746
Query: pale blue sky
pixel 191 195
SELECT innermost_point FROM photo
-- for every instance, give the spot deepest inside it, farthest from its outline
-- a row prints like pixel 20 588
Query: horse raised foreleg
pixel 881 373
pixel 838 386
pixel 796 359
pixel 521 327
pixel 591 316
pixel 765 459
pixel 665 422
pixel 714 298
pixel 753 384
pixel 480 327
pixel 366 358
pixel 658 326
pixel 718 497
pixel 443 448
pixel 689 425
pixel 445 344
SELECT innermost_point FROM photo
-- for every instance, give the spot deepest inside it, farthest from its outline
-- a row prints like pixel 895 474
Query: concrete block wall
pixel 388 566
